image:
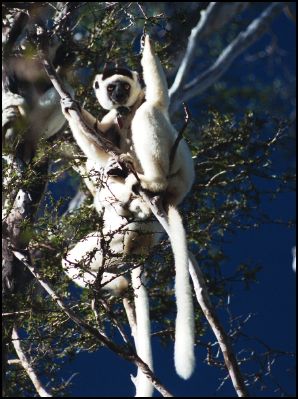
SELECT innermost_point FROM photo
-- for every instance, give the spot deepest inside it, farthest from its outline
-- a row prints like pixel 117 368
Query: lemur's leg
pixel 154 77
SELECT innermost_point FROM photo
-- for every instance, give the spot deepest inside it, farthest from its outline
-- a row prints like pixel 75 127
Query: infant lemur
pixel 139 124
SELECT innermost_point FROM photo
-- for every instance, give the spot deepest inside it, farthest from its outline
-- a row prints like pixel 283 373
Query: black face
pixel 118 91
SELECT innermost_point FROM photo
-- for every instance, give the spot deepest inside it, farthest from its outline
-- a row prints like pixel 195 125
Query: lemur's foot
pixel 145 38
pixel 126 158
pixel 127 161
pixel 142 41
pixel 139 209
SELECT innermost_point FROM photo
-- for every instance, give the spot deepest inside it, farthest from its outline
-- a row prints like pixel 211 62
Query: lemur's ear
pixel 96 82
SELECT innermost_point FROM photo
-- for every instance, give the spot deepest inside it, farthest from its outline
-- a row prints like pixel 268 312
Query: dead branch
pixel 27 365
pixel 15 362
pixel 243 40
pixel 214 17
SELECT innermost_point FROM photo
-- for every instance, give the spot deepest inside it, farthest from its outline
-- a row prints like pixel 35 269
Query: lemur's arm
pixel 92 152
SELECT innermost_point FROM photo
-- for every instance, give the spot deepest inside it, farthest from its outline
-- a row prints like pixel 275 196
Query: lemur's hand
pixel 127 158
pixel 68 103
pixel 13 106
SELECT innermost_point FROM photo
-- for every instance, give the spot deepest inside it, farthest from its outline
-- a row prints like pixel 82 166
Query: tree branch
pixel 216 15
pixel 128 355
pixel 218 330
pixel 244 39
pixel 27 366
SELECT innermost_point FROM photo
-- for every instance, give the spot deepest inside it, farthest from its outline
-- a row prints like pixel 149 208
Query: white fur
pixel 144 388
pixel 184 332
pixel 153 137
pixel 115 202
pixel 87 254
pixel 101 92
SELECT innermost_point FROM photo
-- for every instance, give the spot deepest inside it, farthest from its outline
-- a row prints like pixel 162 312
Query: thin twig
pixel 142 11
pixel 115 321
pixel 180 134
pixel 14 314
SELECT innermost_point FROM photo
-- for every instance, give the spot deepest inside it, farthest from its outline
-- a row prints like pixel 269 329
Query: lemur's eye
pixel 127 86
pixel 96 85
pixel 110 88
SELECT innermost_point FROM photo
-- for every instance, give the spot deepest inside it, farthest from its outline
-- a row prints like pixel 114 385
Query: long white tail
pixel 144 388
pixel 184 335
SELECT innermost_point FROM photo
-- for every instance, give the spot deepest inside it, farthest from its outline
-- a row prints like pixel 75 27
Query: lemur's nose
pixel 119 95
